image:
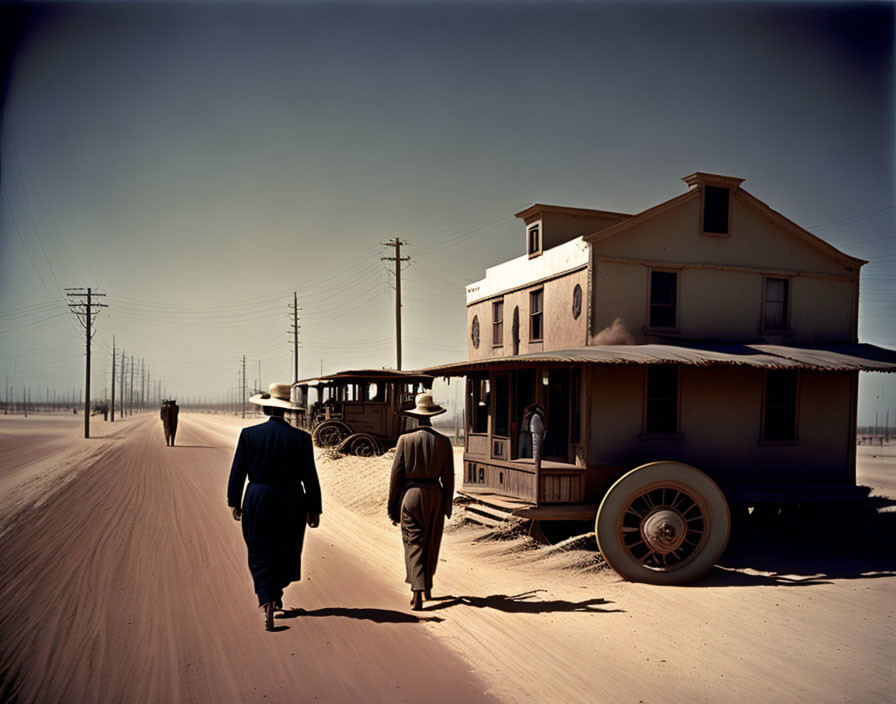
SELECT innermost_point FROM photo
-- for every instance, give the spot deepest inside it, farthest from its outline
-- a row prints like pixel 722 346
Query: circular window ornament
pixel 474 332
pixel 577 301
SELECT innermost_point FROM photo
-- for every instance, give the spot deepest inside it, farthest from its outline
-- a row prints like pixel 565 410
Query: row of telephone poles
pixel 84 303
pixel 133 393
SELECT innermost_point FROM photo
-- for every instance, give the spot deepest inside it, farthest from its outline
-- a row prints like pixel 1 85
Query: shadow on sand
pixel 375 615
pixel 195 447
pixel 525 603
pixel 809 545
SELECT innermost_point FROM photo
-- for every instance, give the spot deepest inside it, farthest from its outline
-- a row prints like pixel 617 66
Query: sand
pixel 128 582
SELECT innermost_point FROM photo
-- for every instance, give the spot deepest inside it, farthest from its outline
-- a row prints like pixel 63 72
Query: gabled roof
pixel 737 191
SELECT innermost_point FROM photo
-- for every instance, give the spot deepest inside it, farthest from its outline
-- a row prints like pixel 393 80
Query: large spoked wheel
pixel 329 434
pixel 663 523
pixel 363 445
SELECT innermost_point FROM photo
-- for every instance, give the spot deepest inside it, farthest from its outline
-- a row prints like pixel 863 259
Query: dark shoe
pixel 268 616
pixel 417 600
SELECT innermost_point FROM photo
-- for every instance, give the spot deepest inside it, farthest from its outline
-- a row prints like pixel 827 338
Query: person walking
pixel 172 419
pixel 165 415
pixel 421 491
pixel 282 497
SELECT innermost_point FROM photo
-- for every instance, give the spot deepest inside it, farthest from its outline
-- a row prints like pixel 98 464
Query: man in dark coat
pixel 421 491
pixel 172 419
pixel 283 495
pixel 165 415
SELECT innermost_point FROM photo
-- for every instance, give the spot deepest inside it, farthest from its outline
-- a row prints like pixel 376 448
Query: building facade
pixel 709 330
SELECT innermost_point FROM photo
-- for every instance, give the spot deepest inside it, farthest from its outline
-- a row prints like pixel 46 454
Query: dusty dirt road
pixel 128 583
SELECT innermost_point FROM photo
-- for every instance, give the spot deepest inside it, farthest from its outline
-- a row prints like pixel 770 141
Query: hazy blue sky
pixel 199 162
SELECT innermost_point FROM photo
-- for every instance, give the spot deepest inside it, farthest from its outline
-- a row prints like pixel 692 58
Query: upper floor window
pixel 779 412
pixel 534 233
pixel 536 315
pixel 777 304
pixel 498 323
pixel 661 402
pixel 663 298
pixel 715 210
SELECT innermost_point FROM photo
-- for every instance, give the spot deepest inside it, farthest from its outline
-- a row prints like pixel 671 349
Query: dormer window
pixel 534 234
pixel 715 210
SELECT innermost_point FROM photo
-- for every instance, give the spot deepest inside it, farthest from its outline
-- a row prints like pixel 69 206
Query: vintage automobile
pixel 357 412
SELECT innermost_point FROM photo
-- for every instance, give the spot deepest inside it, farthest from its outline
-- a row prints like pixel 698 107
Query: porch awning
pixel 841 357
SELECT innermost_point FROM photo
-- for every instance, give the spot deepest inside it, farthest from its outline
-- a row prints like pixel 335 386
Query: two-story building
pixel 708 331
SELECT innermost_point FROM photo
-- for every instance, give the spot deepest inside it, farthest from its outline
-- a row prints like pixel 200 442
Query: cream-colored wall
pixel 755 241
pixel 721 432
pixel 561 330
pixel 720 279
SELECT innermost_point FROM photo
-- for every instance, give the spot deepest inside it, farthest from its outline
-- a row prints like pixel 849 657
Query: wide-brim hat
pixel 278 396
pixel 425 407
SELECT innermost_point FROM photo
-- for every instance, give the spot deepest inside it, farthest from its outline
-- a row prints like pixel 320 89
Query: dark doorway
pixel 556 441
pixel 523 395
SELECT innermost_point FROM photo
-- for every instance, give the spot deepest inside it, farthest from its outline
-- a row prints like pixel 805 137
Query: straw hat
pixel 425 407
pixel 277 396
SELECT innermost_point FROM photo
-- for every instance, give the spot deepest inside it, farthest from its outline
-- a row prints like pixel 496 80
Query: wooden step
pixel 488 512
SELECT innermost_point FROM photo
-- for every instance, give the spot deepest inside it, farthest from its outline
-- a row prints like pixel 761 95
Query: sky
pixel 199 162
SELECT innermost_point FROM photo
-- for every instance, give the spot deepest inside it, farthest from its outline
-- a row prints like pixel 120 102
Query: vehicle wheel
pixel 329 434
pixel 663 523
pixel 364 446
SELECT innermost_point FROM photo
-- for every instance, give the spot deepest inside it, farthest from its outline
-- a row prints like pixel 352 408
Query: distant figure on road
pixel 421 491
pixel 168 414
pixel 282 496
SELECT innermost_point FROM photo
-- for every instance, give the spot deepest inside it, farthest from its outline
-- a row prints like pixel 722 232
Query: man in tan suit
pixel 421 491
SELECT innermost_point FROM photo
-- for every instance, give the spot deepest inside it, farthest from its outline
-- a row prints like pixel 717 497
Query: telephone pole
pixel 295 336
pixel 244 386
pixel 131 389
pixel 121 387
pixel 398 259
pixel 85 308
pixel 112 409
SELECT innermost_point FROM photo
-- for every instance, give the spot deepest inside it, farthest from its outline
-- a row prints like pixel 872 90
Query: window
pixel 776 304
pixel 779 419
pixel 715 210
pixel 474 332
pixel 663 294
pixel 479 401
pixel 534 233
pixel 536 315
pixel 498 323
pixel 661 408
pixel 577 301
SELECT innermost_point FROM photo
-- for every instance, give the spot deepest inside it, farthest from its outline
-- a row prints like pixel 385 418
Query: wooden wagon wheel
pixel 330 433
pixel 663 523
pixel 363 445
